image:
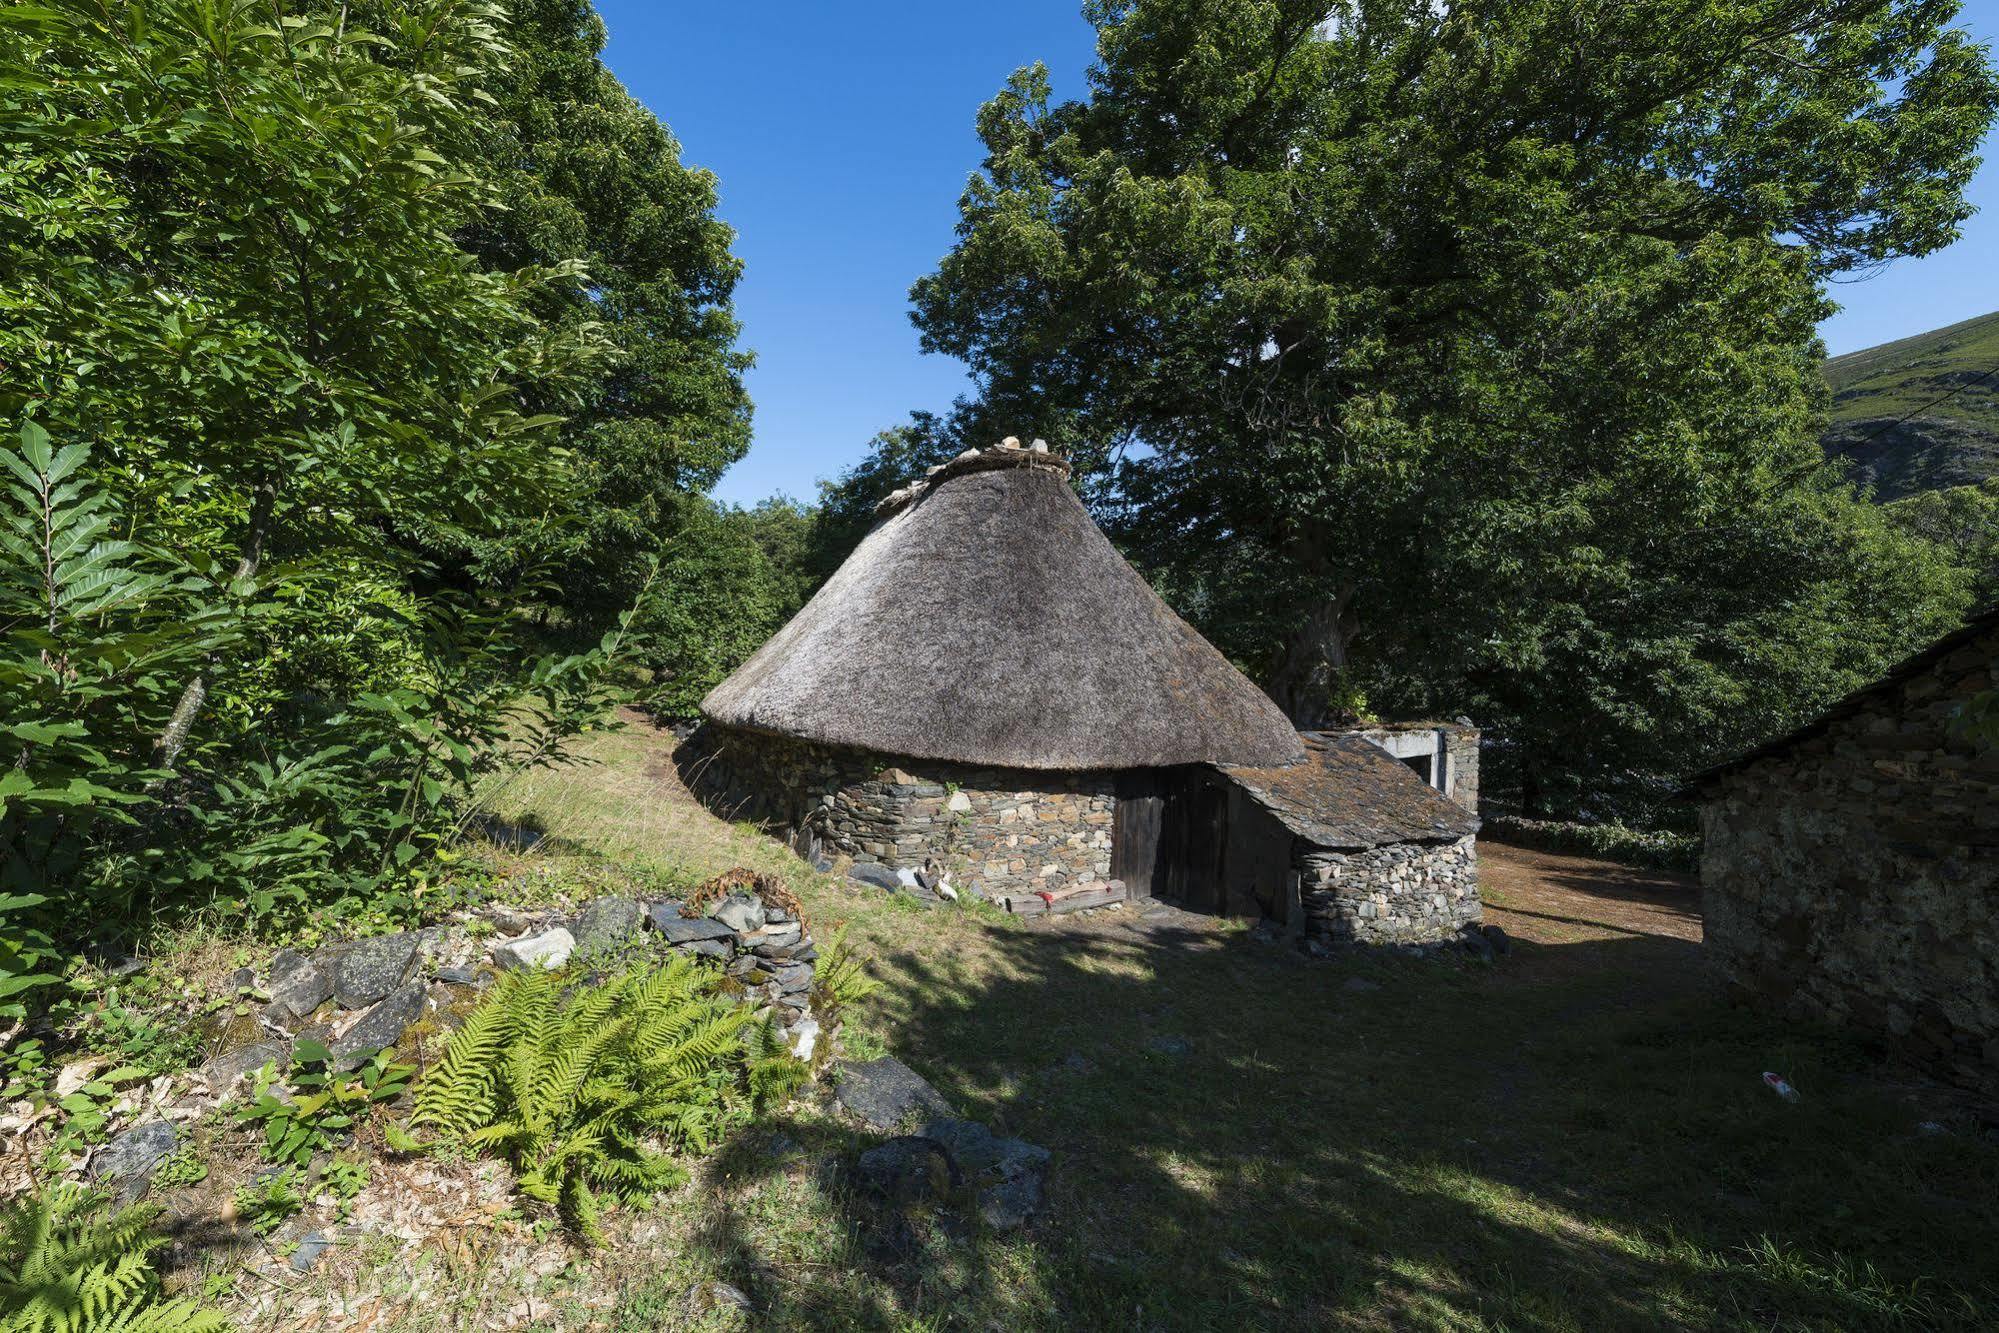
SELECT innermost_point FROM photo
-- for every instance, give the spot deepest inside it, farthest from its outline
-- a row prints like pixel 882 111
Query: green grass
pixel 1902 376
pixel 1576 1139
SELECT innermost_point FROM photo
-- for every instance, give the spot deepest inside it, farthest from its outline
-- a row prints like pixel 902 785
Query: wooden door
pixel 1136 834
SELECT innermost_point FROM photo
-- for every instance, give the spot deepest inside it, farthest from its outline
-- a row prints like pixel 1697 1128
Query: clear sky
pixel 842 135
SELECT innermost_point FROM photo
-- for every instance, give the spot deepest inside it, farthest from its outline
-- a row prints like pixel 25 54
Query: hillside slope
pixel 1941 444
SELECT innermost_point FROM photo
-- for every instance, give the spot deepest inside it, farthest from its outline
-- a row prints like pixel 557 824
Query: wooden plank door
pixel 1136 832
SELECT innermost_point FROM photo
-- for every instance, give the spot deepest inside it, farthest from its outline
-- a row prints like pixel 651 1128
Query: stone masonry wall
pixel 1461 745
pixel 1401 893
pixel 998 829
pixel 1853 877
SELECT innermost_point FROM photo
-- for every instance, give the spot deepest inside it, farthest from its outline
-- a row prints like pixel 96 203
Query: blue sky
pixel 842 136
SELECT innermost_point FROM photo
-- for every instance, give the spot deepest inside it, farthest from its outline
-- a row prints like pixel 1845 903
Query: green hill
pixel 1952 442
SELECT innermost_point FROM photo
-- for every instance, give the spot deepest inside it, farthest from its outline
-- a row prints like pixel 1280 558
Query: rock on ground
pixel 885 1092
pixel 677 929
pixel 881 877
pixel 550 950
pixel 369 969
pixel 225 1069
pixel 909 1170
pixel 299 988
pixel 608 923
pixel 127 1163
pixel 740 913
pixel 382 1026
pixel 1006 1173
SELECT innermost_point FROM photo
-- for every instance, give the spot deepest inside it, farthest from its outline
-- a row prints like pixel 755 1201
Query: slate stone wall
pixel 1461 744
pixel 1401 893
pixel 997 829
pixel 1853 877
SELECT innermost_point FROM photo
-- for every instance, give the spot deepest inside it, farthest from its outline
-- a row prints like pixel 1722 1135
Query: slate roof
pixel 1981 623
pixel 1350 794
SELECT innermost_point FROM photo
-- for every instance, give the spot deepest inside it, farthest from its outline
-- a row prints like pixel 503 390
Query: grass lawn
pixel 1576 1138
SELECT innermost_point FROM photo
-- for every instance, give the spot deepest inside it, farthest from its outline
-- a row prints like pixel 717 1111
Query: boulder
pixel 608 923
pixel 371 968
pixel 883 1093
pixel 1005 1173
pixel 382 1026
pixel 908 1171
pixel 678 929
pixel 548 950
pixel 1501 943
pixel 880 876
pixel 126 1164
pixel 740 913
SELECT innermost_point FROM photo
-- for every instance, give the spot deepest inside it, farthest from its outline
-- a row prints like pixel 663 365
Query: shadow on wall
pixel 1245 1138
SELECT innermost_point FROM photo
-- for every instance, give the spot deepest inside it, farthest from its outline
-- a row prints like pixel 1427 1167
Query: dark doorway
pixel 1195 839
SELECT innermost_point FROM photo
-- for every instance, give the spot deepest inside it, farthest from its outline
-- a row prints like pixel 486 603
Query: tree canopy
pixel 1463 356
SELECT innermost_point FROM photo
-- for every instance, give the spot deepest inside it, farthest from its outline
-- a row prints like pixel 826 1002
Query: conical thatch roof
pixel 986 620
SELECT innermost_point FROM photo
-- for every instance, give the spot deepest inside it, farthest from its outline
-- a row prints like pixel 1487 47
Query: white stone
pixel 803 1036
pixel 908 878
pixel 1040 446
pixel 959 802
pixel 548 951
pixel 1010 442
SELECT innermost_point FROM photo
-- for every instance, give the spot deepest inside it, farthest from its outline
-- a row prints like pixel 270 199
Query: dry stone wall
pixel 1400 893
pixel 1853 877
pixel 998 829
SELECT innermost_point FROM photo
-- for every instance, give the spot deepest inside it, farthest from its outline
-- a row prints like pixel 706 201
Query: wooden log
pixel 1073 898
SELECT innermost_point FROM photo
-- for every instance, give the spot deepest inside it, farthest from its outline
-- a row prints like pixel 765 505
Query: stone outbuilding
pixel 1850 870
pixel 986 686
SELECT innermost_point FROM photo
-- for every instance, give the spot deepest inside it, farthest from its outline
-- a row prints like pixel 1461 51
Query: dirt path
pixel 1551 898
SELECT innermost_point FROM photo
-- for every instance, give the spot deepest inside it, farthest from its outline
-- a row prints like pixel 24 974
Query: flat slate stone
pixel 793 977
pixel 225 1069
pixel 740 913
pixel 880 876
pixel 885 1092
pixel 382 1026
pixel 677 929
pixel 709 948
pixel 127 1162
pixel 302 988
pixel 608 923
pixel 372 968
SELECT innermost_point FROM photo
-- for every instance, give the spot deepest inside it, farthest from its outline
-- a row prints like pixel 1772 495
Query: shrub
pixel 580 1088
pixel 1650 849
pixel 67 1266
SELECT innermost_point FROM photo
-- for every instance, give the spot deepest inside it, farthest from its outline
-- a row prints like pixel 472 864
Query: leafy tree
pixel 1960 519
pixel 723 586
pixel 584 171
pixel 262 384
pixel 1467 351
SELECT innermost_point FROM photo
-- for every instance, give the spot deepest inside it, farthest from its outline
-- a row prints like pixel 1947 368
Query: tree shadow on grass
pixel 1248 1138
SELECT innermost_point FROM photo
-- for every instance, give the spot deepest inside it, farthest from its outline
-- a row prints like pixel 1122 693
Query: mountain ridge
pixel 1919 413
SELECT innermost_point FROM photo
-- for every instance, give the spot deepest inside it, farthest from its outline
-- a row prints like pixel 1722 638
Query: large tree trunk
pixel 166 751
pixel 1302 679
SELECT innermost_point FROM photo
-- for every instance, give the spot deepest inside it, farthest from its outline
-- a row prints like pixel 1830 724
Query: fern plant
pixel 68 1266
pixel 838 979
pixel 588 1091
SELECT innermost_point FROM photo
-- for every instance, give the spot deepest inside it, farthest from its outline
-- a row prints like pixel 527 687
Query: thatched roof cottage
pixel 987 686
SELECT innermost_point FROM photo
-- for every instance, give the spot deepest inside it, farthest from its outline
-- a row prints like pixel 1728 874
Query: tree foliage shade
pixel 1464 355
